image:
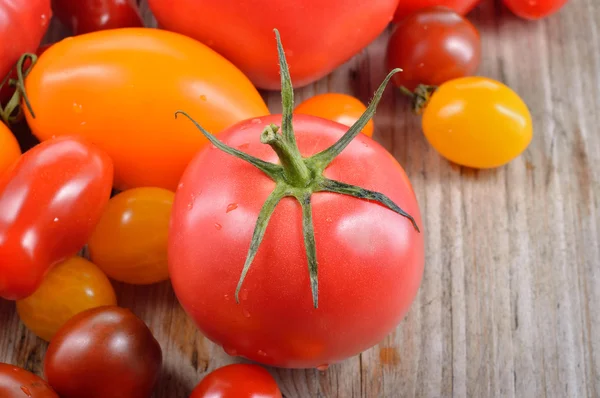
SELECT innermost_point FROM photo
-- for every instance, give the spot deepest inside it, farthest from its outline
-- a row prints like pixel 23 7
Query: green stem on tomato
pixel 7 114
pixel 301 177
pixel 420 97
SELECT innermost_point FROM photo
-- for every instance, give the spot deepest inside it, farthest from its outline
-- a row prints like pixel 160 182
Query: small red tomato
pixel 534 9
pixel 238 381
pixel 342 108
pixel 85 16
pixel 51 200
pixel 407 7
pixel 104 352
pixel 19 383
pixel 432 46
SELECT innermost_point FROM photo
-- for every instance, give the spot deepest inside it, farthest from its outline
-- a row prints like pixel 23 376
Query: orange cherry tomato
pixel 130 242
pixel 120 89
pixel 341 108
pixel 69 288
pixel 9 148
pixel 477 122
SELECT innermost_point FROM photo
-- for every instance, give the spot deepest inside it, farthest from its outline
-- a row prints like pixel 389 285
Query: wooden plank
pixel 510 300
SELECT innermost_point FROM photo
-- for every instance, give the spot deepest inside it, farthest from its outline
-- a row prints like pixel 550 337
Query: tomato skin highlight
pixel 130 241
pixel 341 108
pixel 52 199
pixel 365 251
pixel 477 122
pixel 23 24
pixel 103 352
pixel 319 35
pixel 432 46
pixel 68 289
pixel 407 7
pixel 16 382
pixel 237 381
pixel 85 16
pixel 534 9
pixel 127 107
pixel 9 149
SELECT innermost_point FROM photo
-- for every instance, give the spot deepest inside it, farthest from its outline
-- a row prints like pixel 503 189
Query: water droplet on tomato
pixel 218 226
pixel 256 121
pixel 261 353
pixel 328 219
pixel 246 313
pixel 226 297
pixel 26 391
pixel 190 205
pixel 244 295
pixel 230 351
pixel 323 367
pixel 231 207
pixel 203 97
pixel 77 108
pixel 180 185
pixel 56 219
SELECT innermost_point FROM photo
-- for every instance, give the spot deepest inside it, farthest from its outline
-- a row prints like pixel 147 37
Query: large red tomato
pixel 297 307
pixel 319 35
pixel 23 24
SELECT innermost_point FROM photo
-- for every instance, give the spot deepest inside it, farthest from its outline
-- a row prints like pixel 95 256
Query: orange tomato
pixel 130 242
pixel 121 88
pixel 69 288
pixel 341 108
pixel 9 148
pixel 477 122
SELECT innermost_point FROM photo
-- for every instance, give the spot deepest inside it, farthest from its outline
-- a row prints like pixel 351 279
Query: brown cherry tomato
pixel 105 352
pixel 238 381
pixel 130 242
pixel 85 16
pixel 19 383
pixel 432 46
pixel 69 288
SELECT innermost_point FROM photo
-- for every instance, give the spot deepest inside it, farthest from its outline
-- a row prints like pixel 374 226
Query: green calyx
pixel 300 177
pixel 420 97
pixel 12 112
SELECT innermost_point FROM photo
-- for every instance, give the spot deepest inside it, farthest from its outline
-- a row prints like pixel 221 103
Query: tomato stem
pixel 420 97
pixel 8 112
pixel 300 177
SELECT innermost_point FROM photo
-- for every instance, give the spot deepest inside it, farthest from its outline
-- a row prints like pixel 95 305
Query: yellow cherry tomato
pixel 340 108
pixel 477 122
pixel 69 288
pixel 130 242
pixel 9 148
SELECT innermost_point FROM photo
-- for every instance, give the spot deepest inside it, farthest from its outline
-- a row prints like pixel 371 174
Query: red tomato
pixel 104 352
pixel 51 199
pixel 23 24
pixel 138 76
pixel 432 46
pixel 19 383
pixel 319 35
pixel 84 16
pixel 534 9
pixel 312 284
pixel 237 381
pixel 407 7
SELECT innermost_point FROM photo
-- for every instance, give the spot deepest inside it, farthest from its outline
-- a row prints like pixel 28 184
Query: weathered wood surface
pixel 510 301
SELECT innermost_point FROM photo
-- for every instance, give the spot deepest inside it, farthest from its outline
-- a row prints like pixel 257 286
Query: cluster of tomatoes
pixel 280 244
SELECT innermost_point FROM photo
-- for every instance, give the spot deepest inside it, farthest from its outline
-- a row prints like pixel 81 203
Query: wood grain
pixel 510 300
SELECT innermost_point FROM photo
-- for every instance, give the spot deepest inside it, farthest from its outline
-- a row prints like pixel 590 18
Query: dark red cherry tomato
pixel 84 16
pixel 407 7
pixel 432 46
pixel 534 9
pixel 50 199
pixel 103 352
pixel 19 383
pixel 238 381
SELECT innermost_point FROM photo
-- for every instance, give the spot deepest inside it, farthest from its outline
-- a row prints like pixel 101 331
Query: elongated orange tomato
pixel 120 89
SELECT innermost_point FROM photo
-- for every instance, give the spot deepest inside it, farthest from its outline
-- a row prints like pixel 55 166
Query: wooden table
pixel 510 300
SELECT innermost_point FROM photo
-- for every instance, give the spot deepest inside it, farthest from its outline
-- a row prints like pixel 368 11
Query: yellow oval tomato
pixel 130 242
pixel 477 122
pixel 121 88
pixel 69 288
pixel 341 108
pixel 9 148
